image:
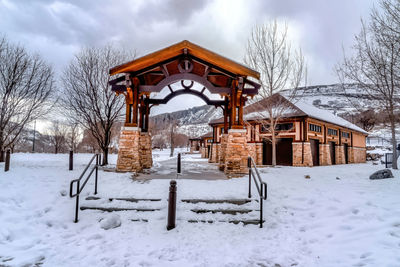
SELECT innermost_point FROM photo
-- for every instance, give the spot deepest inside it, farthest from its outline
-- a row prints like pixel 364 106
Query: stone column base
pixel 302 156
pixel 221 152
pixel 259 153
pixel 236 152
pixel 339 155
pixel 128 152
pixel 357 155
pixel 214 153
pixel 324 155
pixel 146 157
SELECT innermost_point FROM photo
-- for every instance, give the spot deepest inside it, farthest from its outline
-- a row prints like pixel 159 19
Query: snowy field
pixel 338 217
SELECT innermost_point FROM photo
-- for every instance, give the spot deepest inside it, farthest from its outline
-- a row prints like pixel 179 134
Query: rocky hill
pixel 194 122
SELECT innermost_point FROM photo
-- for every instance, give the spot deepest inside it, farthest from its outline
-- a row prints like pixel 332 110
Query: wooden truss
pixel 141 79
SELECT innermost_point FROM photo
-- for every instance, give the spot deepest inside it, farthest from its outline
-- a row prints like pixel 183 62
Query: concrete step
pixel 245 222
pixel 223 211
pixel 129 199
pixel 217 201
pixel 111 209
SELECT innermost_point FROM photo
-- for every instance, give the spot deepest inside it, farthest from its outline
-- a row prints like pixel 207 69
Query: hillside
pixel 194 122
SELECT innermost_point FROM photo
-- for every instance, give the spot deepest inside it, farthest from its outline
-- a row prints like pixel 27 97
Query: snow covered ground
pixel 338 217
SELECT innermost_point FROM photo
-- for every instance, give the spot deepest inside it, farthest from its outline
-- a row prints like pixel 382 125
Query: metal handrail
pixel 260 185
pixel 78 182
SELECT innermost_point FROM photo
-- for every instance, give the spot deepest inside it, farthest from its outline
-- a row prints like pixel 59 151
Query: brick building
pixel 306 136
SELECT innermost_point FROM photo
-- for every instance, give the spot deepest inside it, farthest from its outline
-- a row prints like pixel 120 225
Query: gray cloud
pixel 57 29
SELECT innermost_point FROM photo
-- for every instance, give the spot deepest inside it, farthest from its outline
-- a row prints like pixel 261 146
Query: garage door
pixel 284 152
pixel 315 151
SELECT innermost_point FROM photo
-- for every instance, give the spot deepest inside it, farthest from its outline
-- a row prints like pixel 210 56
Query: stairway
pixel 236 211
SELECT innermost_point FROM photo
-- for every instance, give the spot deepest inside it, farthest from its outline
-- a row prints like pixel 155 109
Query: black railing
pixel 79 188
pixel 260 185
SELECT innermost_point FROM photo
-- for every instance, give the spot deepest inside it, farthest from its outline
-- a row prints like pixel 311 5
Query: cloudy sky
pixel 58 29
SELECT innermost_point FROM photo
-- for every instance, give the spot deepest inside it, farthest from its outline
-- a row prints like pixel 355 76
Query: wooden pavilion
pixel 142 79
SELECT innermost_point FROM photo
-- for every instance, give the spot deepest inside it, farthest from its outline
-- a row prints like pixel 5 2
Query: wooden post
pixel 171 206
pixel 233 108
pixel 226 119
pixel 141 113
pixel 241 104
pixel 71 160
pixel 7 164
pixel 146 118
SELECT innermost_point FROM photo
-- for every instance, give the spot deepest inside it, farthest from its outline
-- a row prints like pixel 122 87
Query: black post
pixel 171 205
pixel 77 201
pixel 178 169
pixel 71 160
pixel 249 166
pixel 7 165
pixel 96 174
pixel 261 206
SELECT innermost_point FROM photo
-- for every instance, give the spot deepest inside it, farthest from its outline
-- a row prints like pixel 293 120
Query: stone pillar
pixel 339 154
pixel 128 152
pixel 146 159
pixel 251 148
pixel 357 155
pixel 214 153
pixel 236 152
pixel 324 155
pixel 259 152
pixel 221 153
pixel 302 154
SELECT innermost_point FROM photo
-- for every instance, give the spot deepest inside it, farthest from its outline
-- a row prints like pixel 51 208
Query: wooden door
pixel 315 151
pixel 267 152
pixel 284 152
pixel 333 152
pixel 346 154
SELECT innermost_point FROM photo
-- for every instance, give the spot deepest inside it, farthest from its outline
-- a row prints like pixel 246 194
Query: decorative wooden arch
pixel 139 78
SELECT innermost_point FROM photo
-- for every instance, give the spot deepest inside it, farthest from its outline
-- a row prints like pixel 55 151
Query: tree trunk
pixel 2 155
pixel 273 144
pixel 273 138
pixel 172 142
pixel 105 156
pixel 394 143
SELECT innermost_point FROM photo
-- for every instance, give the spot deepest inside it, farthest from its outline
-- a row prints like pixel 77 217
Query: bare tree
pixel 269 51
pixel 173 123
pixel 73 136
pixel 57 136
pixel 88 98
pixel 26 87
pixel 375 64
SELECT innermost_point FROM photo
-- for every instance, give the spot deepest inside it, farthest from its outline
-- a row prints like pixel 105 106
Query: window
pixel 209 141
pixel 284 127
pixel 222 130
pixel 314 128
pixel 332 132
pixel 345 135
pixel 265 128
pixel 278 127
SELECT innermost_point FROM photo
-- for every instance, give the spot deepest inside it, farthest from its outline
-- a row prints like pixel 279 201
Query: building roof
pixel 179 49
pixel 257 111
pixel 209 134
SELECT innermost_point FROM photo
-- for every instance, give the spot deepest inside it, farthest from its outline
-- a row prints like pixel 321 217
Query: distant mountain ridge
pixel 194 121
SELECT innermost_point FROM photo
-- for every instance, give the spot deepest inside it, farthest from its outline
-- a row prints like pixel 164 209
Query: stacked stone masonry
pixel 134 152
pixel 236 152
pixel 324 155
pixel 128 152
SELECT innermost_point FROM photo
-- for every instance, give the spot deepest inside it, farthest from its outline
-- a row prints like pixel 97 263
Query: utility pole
pixel 34 136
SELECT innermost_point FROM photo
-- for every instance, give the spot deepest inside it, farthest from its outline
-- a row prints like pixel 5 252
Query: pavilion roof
pixel 178 49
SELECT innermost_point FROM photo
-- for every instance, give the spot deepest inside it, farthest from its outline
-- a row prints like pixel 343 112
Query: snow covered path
pixel 322 221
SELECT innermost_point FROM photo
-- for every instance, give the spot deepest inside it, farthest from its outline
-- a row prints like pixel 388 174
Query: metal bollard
pixel 171 205
pixel 71 160
pixel 178 169
pixel 7 165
